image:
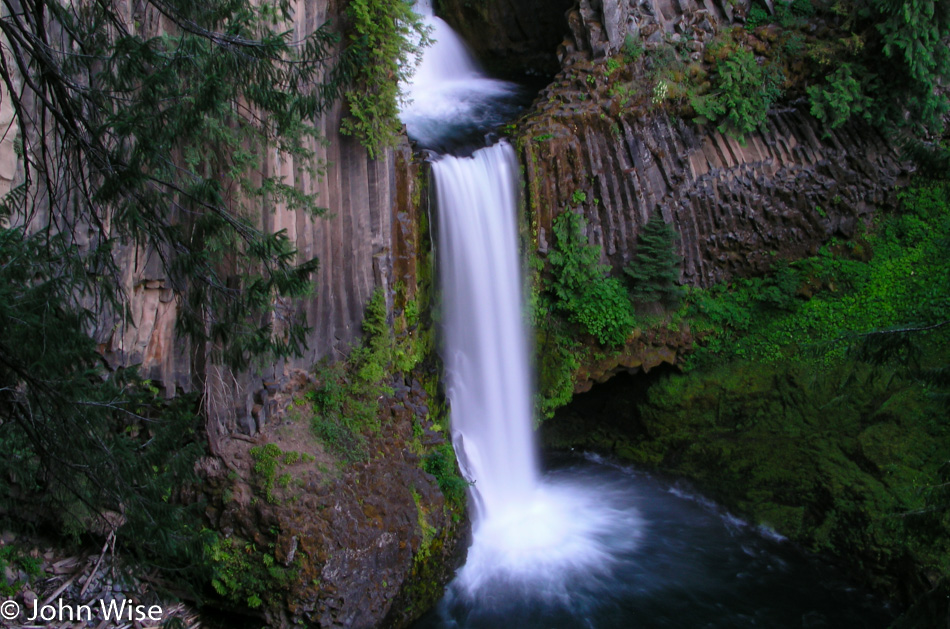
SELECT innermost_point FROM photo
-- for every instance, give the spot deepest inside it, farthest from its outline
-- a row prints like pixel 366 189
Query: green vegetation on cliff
pixel 896 277
pixel 655 270
pixel 815 402
pixel 583 287
pixel 386 41
pixel 581 312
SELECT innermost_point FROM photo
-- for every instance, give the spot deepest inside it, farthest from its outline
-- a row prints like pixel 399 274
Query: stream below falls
pixel 683 564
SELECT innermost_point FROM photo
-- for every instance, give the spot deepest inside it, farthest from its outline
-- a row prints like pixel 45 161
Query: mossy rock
pixel 837 460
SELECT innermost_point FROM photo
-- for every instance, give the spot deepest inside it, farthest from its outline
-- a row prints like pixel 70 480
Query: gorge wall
pixel 369 537
pixel 593 144
pixel 353 242
pixel 736 206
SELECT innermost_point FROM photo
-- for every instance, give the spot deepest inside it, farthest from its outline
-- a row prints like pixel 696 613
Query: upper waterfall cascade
pixel 450 101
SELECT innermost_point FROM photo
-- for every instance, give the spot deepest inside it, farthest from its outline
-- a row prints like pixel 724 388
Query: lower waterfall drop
pixel 526 531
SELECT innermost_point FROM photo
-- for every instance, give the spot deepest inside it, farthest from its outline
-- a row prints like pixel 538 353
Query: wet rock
pixel 511 36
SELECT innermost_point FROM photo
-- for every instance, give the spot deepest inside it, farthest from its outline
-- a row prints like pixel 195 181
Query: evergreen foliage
pixel 386 38
pixel 907 56
pixel 89 449
pixel 882 60
pixel 655 268
pixel 840 98
pixel 583 287
pixel 133 139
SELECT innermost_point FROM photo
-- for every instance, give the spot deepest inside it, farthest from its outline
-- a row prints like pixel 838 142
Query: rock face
pixel 600 27
pixel 353 243
pixel 604 147
pixel 737 207
pixel 510 36
pixel 366 544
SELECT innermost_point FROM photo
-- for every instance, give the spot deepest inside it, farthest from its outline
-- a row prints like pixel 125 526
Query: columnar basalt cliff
pixel 738 204
pixel 353 243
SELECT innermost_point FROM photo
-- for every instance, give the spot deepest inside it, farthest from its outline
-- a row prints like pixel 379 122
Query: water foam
pixel 449 95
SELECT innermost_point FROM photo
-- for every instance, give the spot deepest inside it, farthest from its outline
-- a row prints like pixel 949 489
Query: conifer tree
pixel 655 268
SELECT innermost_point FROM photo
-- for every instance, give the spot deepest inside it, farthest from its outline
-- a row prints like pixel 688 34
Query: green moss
pixel 346 398
pixel 440 462
pixel 17 559
pixel 247 576
pixel 839 470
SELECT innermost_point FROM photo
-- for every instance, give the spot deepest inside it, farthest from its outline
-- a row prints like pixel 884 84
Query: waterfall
pixel 449 100
pixel 528 532
pixel 486 358
pixel 565 547
pixel 538 533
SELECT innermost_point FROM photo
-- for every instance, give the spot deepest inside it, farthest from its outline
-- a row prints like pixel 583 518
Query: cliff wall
pixel 596 142
pixel 737 206
pixel 353 242
pixel 364 537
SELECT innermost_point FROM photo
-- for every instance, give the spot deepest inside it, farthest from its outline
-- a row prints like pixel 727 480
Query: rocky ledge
pixel 310 536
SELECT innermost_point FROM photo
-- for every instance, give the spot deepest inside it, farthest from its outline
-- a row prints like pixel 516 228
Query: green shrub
pixel 346 402
pixel 583 287
pixel 245 575
pixel 440 462
pixel 840 97
pixel 15 559
pixel 742 93
pixel 267 460
pixel 383 52
pixel 823 303
pixel 632 47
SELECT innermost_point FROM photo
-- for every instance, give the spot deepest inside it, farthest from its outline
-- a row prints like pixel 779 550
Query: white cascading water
pixel 448 89
pixel 527 531
pixel 486 355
